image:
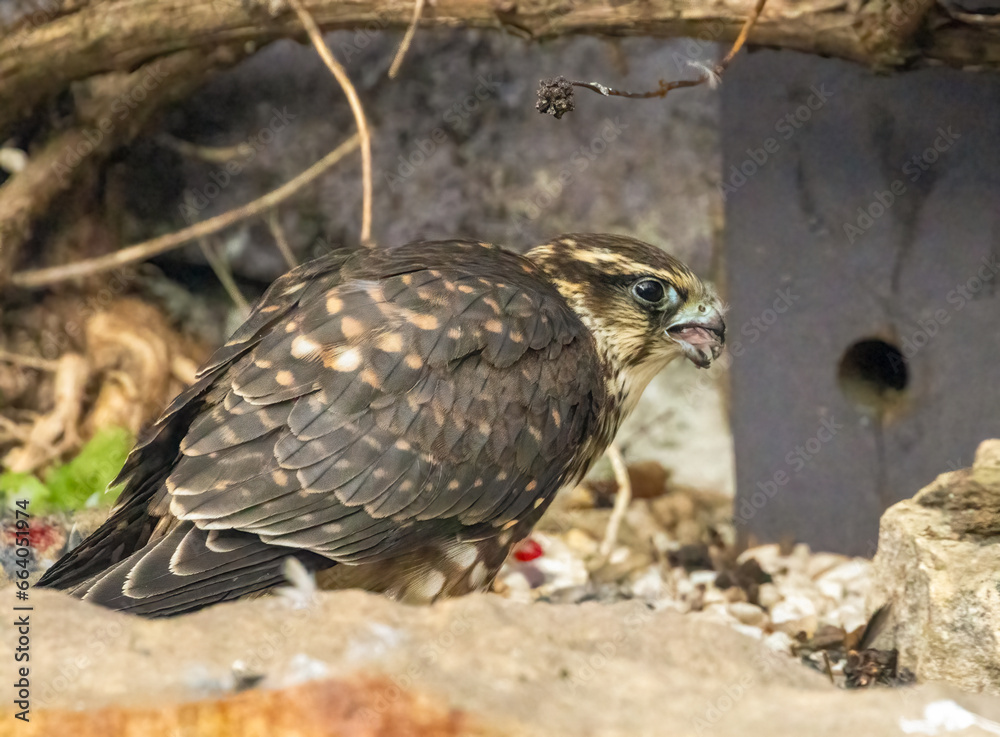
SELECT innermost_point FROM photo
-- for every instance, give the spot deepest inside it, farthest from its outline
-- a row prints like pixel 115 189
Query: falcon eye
pixel 652 292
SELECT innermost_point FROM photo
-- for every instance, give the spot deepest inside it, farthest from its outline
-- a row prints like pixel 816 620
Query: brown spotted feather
pixel 399 417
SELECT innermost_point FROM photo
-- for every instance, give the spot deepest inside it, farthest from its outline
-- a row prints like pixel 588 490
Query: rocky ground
pixel 477 665
pixel 675 551
pixel 669 626
pixel 673 631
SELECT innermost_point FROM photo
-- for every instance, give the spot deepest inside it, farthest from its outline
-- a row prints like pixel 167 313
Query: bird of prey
pixel 394 418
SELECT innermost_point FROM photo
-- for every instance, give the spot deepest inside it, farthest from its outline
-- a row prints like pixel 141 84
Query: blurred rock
pixel 648 480
pixel 768 595
pixel 748 613
pixel 357 706
pixel 795 613
pixel 937 562
pixel 470 666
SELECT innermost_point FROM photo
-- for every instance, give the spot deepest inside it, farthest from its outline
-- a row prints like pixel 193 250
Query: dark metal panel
pixel 806 143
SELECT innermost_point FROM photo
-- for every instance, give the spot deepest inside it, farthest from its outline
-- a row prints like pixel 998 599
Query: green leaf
pixel 71 486
pixel 22 486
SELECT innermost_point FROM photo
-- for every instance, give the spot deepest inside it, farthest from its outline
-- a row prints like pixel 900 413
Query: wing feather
pixel 397 398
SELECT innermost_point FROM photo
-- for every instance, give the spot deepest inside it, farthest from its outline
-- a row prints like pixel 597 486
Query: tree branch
pixel 37 278
pixel 112 116
pixel 40 56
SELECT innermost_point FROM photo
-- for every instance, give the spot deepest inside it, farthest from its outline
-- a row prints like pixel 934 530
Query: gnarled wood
pixel 116 110
pixel 42 53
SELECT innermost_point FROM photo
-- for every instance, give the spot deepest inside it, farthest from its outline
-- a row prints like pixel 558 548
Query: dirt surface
pixel 587 669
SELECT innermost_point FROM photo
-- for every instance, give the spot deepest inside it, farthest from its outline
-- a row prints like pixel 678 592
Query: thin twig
pixel 828 667
pixel 42 364
pixel 404 46
pixel 211 154
pixel 742 38
pixel 622 500
pixel 359 114
pixel 35 278
pixel 711 75
pixel 224 274
pixel 72 157
pixel 274 224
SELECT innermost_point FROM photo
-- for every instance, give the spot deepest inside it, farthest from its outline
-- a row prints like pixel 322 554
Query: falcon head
pixel 643 307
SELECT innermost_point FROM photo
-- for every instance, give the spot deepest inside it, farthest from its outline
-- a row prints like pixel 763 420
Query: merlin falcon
pixel 394 418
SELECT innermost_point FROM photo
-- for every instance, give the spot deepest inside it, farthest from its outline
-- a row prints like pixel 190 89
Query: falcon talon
pixel 392 419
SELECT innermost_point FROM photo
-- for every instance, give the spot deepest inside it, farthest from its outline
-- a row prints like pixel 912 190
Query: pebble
pixel 831 589
pixel 796 613
pixel 689 532
pixel 768 556
pixel 714 596
pixel 769 595
pixel 808 590
pixel 703 578
pixel 821 563
pixel 559 575
pixel 794 606
pixel 748 613
pixel 580 542
pixel 734 594
pixel 800 558
pixel 674 508
pixel 779 642
pixel 749 630
pixel 619 555
pixel 847 617
pixel 855 576
pixel 648 585
pixel 662 542
pixel 683 587
pixel 719 613
pixel 517 586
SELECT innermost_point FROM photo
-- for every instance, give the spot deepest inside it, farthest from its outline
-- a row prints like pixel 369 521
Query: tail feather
pixel 180 573
pixel 127 530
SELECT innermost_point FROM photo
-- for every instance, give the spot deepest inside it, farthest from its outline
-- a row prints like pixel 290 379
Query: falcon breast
pixel 396 419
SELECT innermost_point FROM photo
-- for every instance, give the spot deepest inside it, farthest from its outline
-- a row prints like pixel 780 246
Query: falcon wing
pixel 140 509
pixel 436 391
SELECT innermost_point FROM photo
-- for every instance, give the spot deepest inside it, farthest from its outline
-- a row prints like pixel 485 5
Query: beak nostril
pixel 701 308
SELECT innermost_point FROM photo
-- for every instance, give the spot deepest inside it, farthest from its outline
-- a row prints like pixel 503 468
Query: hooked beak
pixel 700 335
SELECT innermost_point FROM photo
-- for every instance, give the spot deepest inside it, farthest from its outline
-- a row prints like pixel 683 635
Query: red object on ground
pixel 41 535
pixel 528 550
